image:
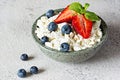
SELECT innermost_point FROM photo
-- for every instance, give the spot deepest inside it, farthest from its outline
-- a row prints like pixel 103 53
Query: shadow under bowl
pixel 72 56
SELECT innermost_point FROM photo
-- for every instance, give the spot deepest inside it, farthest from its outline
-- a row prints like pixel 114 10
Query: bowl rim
pixel 103 39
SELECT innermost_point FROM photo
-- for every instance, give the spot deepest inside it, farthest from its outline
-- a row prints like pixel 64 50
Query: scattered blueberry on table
pixel 24 57
pixel 50 13
pixel 64 47
pixel 52 26
pixel 33 70
pixel 21 73
pixel 66 29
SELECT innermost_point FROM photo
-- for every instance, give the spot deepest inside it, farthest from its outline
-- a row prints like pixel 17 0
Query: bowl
pixel 72 56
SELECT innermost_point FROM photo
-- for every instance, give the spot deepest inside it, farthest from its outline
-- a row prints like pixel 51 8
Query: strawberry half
pixel 82 25
pixel 65 16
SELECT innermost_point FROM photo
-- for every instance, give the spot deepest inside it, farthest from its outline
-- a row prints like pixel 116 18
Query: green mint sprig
pixel 77 7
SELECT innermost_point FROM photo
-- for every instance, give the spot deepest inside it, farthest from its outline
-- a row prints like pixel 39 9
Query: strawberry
pixel 65 16
pixel 81 19
pixel 82 25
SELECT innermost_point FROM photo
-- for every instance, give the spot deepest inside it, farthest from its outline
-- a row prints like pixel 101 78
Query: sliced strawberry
pixel 82 25
pixel 65 16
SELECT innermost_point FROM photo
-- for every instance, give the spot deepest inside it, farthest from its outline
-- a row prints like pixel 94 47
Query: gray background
pixel 16 19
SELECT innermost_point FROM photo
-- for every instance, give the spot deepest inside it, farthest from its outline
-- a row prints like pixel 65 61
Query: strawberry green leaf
pixel 91 16
pixel 76 6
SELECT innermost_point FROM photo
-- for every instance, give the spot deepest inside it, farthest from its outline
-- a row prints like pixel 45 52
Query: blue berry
pixel 64 47
pixel 50 13
pixel 33 70
pixel 66 29
pixel 52 26
pixel 44 39
pixel 21 73
pixel 24 57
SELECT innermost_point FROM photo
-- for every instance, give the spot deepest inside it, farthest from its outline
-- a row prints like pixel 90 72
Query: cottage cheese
pixel 76 41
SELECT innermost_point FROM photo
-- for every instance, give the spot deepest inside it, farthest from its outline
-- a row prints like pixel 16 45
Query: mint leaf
pixel 86 6
pixel 91 16
pixel 76 6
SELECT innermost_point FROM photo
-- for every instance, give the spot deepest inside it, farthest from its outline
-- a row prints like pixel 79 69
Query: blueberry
pixel 52 26
pixel 44 39
pixel 21 73
pixel 66 29
pixel 24 57
pixel 33 70
pixel 50 13
pixel 64 47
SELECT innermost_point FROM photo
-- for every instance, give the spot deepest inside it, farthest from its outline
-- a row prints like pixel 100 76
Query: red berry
pixel 65 16
pixel 82 25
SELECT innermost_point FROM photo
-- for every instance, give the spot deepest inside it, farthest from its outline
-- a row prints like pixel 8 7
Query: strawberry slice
pixel 82 25
pixel 65 16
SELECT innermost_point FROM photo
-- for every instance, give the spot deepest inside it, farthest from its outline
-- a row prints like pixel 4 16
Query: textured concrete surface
pixel 16 18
